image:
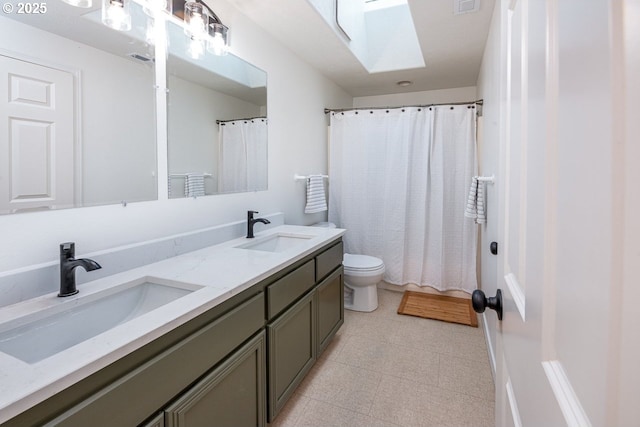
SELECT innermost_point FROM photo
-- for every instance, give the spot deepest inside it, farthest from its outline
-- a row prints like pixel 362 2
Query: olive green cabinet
pixel 330 308
pixel 292 351
pixel 233 394
pixel 132 398
pixel 305 309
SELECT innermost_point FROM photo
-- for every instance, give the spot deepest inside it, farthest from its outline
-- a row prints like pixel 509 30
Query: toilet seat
pixel 364 265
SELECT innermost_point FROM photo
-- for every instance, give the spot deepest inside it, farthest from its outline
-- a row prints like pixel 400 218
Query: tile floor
pixel 385 369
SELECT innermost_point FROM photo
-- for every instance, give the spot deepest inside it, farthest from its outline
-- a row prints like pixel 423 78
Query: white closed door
pixel 568 346
pixel 37 136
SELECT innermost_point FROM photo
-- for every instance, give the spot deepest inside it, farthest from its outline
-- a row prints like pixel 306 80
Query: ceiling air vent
pixel 140 57
pixel 465 6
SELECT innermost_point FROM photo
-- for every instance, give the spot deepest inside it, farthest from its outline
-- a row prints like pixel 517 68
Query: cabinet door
pixel 157 421
pixel 233 394
pixel 291 340
pixel 330 298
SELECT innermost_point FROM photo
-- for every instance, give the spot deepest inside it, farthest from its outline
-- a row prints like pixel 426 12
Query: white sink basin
pixel 41 334
pixel 276 243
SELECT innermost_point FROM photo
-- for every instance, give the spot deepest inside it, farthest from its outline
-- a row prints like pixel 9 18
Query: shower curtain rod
pixel 234 120
pixel 338 110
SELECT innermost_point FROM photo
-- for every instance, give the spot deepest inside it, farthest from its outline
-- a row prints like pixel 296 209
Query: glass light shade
pixel 116 15
pixel 218 43
pixel 196 19
pixel 79 3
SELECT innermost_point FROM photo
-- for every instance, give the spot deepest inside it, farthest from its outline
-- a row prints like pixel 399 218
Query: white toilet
pixel 361 276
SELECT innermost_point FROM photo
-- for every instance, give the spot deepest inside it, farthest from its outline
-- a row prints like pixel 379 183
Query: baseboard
pixel 490 349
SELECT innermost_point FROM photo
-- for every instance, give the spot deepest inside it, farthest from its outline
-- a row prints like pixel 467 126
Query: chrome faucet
pixel 251 222
pixel 68 265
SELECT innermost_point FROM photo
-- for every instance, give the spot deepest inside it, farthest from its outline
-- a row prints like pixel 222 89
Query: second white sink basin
pixel 276 243
pixel 44 333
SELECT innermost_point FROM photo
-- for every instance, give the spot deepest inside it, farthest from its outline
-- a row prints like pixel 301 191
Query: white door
pixel 569 342
pixel 37 136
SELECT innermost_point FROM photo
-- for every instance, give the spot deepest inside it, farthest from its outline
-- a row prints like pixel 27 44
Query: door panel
pixel 565 211
pixel 524 397
pixel 37 147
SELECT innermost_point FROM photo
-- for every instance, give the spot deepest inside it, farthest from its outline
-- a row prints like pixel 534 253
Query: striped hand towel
pixel 316 201
pixel 194 185
pixel 475 202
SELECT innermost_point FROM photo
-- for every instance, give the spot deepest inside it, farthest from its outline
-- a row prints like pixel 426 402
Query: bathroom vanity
pixel 229 353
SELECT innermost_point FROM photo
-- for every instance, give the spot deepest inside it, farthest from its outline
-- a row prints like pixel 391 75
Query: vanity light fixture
pixel 115 14
pixel 203 24
pixel 196 18
pixel 218 44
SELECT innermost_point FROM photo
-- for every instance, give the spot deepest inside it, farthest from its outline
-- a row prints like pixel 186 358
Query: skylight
pixel 379 33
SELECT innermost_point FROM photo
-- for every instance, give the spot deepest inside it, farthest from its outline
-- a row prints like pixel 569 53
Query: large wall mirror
pixel 77 110
pixel 78 119
pixel 217 121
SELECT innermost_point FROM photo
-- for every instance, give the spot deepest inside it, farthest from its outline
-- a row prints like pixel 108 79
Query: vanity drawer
pixel 286 290
pixel 328 260
pixel 156 382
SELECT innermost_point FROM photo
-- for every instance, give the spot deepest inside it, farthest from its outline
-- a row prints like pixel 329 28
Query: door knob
pixel 480 302
pixel 493 247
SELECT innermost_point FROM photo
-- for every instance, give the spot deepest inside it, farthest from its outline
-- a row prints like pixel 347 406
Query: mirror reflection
pixel 77 110
pixel 217 121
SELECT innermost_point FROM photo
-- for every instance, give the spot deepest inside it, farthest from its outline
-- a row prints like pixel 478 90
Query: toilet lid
pixel 361 262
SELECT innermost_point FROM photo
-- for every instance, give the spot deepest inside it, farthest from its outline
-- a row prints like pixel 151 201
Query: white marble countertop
pixel 222 270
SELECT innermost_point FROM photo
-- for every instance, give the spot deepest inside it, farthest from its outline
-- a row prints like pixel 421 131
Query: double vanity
pixel 219 336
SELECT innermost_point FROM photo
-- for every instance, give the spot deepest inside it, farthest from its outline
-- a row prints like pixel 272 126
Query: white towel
pixel 475 202
pixel 194 185
pixel 316 201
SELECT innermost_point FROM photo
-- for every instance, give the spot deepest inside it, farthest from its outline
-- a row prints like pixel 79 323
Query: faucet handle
pixel 68 249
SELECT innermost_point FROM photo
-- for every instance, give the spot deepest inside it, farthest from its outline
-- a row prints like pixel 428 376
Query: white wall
pixel 117 133
pixel 489 90
pixel 297 144
pixel 461 94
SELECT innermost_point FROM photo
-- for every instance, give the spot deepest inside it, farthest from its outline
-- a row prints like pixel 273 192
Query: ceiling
pixel 452 45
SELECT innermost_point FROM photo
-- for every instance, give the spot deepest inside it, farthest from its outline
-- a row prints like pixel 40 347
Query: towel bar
pixel 184 175
pixel 297 177
pixel 490 179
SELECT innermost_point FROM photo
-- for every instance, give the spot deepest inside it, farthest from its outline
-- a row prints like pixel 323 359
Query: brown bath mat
pixel 439 307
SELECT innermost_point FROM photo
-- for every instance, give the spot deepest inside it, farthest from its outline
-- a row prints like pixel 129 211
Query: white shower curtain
pixel 243 155
pixel 399 180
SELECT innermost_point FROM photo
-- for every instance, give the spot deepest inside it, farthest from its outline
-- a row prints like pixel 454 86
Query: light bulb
pixel 196 24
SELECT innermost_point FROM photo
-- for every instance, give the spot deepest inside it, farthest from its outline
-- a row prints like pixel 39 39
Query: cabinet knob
pixel 480 302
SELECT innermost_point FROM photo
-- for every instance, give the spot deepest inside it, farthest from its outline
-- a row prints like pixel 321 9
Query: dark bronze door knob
pixel 480 302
